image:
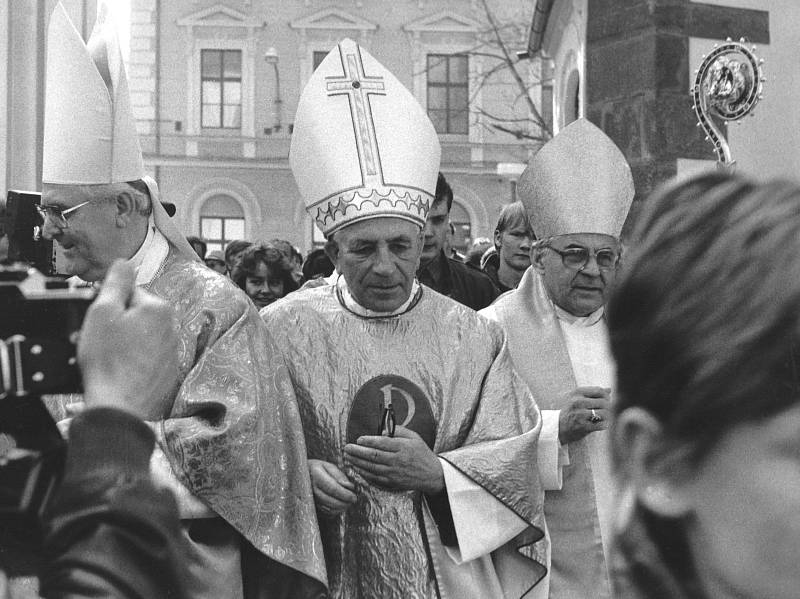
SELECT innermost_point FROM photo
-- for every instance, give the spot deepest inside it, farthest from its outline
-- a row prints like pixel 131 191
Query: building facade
pixel 23 32
pixel 628 66
pixel 215 85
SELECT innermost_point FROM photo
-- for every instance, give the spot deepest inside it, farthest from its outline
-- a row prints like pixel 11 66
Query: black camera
pixel 23 227
pixel 39 322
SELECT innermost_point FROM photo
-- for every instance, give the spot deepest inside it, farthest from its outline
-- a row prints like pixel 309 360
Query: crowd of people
pixel 268 271
pixel 562 414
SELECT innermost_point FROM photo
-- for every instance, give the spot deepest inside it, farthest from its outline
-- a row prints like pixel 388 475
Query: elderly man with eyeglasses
pixel 577 191
pixel 228 441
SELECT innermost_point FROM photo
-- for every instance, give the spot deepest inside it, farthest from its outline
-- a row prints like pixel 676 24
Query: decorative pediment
pixel 333 19
pixel 444 21
pixel 218 15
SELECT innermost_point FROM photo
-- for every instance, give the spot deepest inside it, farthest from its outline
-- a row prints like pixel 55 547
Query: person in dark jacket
pixel 513 238
pixel 445 275
pixel 110 532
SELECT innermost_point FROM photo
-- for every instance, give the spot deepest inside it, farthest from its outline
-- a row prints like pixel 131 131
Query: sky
pixel 121 11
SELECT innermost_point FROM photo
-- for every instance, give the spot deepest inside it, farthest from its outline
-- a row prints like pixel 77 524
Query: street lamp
pixel 271 57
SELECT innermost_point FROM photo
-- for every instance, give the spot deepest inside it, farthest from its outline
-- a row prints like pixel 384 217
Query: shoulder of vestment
pixel 184 283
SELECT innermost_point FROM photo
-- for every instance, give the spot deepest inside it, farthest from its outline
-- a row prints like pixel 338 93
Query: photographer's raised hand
pixel 128 347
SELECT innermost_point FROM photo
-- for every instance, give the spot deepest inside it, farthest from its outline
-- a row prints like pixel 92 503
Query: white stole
pixel 589 352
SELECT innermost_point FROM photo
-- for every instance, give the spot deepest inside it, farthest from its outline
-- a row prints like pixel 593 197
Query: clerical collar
pixel 150 255
pixel 580 321
pixel 349 302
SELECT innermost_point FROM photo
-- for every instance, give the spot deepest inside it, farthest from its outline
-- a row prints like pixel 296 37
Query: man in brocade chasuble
pixel 229 443
pixel 577 191
pixel 420 435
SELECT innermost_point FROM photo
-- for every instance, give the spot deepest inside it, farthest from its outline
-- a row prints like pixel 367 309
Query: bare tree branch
pixel 503 119
pixel 495 45
pixel 518 133
pixel 531 106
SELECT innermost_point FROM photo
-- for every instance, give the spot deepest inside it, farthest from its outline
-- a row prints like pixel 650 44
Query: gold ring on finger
pixel 595 418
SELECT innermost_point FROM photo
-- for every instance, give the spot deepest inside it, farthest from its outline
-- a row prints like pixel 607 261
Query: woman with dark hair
pixel 705 325
pixel 265 274
pixel 234 249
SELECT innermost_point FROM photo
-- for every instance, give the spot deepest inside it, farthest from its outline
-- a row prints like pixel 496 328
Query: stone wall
pixel 638 77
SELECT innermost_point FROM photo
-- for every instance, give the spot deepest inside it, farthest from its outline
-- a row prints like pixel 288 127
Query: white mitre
pixel 579 182
pixel 89 127
pixel 362 147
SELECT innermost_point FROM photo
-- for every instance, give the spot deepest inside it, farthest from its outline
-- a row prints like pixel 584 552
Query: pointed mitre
pixel 579 182
pixel 89 128
pixel 362 147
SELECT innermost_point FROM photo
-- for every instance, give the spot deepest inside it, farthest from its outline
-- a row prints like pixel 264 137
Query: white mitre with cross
pixel 362 147
pixel 579 182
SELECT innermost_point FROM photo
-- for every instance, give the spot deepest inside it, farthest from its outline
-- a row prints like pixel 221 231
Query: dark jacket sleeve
pixel 111 533
pixel 472 287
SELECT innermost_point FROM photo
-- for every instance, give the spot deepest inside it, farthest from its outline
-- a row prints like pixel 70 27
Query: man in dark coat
pixel 445 275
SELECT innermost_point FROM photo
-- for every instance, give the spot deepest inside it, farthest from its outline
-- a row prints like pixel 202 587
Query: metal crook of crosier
pixel 727 85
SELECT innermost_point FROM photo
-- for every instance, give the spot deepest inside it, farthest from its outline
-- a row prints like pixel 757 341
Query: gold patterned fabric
pixel 450 379
pixel 233 434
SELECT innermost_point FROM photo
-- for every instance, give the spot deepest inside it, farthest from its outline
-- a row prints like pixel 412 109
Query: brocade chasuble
pixel 230 446
pixel 447 374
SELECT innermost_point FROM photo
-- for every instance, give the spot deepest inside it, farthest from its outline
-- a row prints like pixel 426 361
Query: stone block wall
pixel 638 77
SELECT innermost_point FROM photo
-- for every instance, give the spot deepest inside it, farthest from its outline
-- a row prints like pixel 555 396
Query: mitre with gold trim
pixel 579 182
pixel 362 147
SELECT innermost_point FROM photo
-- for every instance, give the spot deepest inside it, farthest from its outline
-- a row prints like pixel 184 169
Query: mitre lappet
pixel 362 146
pixel 579 182
pixel 90 133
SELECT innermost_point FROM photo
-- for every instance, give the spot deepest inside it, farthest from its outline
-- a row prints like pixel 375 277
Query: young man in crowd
pixel 443 274
pixel 513 237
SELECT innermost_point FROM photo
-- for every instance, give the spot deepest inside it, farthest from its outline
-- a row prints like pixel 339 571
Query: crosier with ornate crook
pixel 728 85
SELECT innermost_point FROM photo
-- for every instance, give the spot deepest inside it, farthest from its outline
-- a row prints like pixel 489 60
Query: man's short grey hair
pixel 144 203
pixel 136 189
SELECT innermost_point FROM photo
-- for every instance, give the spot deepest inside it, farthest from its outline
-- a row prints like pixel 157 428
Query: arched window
pixel 221 221
pixel 317 236
pixel 462 236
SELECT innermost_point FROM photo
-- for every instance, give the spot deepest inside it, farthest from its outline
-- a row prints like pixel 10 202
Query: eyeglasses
pixel 58 215
pixel 578 258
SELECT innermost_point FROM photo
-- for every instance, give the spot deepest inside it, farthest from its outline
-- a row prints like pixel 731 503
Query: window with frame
pixel 317 58
pixel 448 92
pixel 218 231
pixel 317 236
pixel 221 221
pixel 221 89
pixel 462 228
